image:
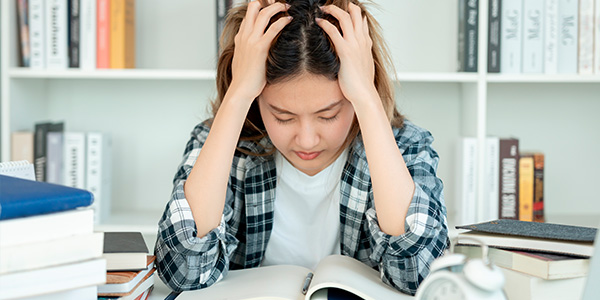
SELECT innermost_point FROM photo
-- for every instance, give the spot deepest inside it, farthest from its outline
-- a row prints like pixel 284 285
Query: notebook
pixel 23 198
pixel 20 169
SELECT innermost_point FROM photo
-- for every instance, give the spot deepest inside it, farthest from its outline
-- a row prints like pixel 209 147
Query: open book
pixel 286 282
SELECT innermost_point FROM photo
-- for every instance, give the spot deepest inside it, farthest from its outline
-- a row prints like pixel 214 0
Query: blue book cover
pixel 23 198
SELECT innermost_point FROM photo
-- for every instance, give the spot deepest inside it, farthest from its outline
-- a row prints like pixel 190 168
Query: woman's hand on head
pixel 252 45
pixel 353 46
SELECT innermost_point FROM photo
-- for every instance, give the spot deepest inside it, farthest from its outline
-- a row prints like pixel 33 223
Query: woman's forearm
pixel 206 186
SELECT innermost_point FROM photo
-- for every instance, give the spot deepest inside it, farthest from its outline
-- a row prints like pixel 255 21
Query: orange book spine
pixel 103 34
pixel 526 187
pixel 122 34
pixel 538 192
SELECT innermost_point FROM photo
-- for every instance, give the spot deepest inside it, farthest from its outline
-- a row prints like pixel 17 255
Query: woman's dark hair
pixel 302 47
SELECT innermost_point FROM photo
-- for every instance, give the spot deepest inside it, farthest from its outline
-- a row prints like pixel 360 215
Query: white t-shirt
pixel 306 222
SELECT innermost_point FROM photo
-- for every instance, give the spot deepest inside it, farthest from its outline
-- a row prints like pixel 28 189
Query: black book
pixel 494 25
pixel 40 150
pixel 124 251
pixel 73 36
pixel 468 23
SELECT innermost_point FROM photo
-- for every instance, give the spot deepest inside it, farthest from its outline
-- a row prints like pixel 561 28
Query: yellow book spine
pixel 526 188
pixel 122 34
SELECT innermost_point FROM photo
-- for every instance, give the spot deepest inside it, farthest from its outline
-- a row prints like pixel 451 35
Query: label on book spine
pixel 509 179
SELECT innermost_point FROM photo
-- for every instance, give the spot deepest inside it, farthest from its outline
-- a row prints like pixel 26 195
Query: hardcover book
pixel 509 179
pixel 521 286
pixel 526 187
pixel 57 40
pixel 87 38
pixel 122 34
pixel 532 236
pixel 551 37
pixel 103 34
pixel 37 33
pixel 24 50
pixel 538 187
pixel 533 36
pixel 511 36
pixel 468 19
pixel 494 25
pixel 21 146
pixel 40 147
pixel 120 283
pixel 22 198
pixel 568 22
pixel 73 36
pixel 586 37
pixel 335 272
pixel 125 251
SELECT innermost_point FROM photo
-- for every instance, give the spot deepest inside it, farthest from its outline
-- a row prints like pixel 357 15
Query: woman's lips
pixel 307 155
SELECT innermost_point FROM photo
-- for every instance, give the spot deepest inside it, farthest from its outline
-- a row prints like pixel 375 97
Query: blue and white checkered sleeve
pixel 404 260
pixel 185 261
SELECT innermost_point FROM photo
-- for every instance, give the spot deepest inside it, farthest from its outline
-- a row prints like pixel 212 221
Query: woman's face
pixel 307 119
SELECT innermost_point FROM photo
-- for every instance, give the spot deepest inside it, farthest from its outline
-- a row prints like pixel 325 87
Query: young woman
pixel 305 156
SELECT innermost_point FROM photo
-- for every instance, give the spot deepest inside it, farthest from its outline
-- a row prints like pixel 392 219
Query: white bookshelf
pixel 150 111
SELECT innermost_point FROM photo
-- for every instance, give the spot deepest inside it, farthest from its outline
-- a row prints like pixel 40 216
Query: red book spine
pixel 103 35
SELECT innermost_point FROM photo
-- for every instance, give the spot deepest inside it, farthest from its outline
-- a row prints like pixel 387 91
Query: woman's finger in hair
pixel 356 16
pixel 275 28
pixel 250 17
pixel 332 32
pixel 342 16
pixel 265 16
pixel 366 32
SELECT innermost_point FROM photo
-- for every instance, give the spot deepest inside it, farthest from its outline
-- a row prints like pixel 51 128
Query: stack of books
pixel 130 271
pixel 47 242
pixel 539 260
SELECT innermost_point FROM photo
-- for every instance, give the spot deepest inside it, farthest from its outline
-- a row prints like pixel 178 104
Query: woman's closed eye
pixel 329 119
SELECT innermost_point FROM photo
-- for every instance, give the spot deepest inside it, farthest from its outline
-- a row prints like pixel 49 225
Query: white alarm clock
pixel 454 276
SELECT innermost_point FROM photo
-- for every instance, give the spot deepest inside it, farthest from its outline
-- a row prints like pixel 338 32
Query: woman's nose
pixel 307 137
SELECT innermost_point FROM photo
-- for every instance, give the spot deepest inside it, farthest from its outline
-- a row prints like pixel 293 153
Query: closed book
pixel 84 293
pixel 46 227
pixel 521 286
pixel 57 41
pixel 534 236
pixel 511 41
pixel 98 160
pixel 551 37
pixel 526 186
pixel 125 251
pixel 21 198
pixel 53 279
pixel 103 34
pixel 538 187
pixel 509 179
pixel 586 37
pixel 21 146
pixel 37 33
pixel 568 23
pixel 49 253
pixel 494 25
pixel 141 291
pixel 23 21
pixel 533 36
pixel 74 159
pixel 73 36
pixel 87 38
pixel 539 264
pixel 40 147
pixel 122 34
pixel 120 283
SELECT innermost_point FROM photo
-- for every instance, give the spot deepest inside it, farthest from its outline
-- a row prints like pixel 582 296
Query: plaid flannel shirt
pixel 188 262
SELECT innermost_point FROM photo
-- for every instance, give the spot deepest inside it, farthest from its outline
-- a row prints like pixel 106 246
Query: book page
pixel 282 282
pixel 343 272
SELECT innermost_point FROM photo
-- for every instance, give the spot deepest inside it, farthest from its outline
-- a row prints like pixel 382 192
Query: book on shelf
pixel 521 286
pixel 55 154
pixel 122 283
pixel 568 21
pixel 511 41
pixel 57 41
pixel 287 282
pixel 98 173
pixel 125 251
pixel 22 198
pixel 21 146
pixel 74 159
pixel 122 34
pixel 586 37
pixel 53 279
pixel 551 37
pixel 526 186
pixel 468 20
pixel 19 169
pixel 57 251
pixel 539 264
pixel 509 178
pixel 23 21
pixel 103 34
pixel 532 236
pixel 40 146
pixel 74 26
pixel 494 25
pixel 87 34
pixel 467 176
pixel 597 37
pixel 533 34
pixel 538 187
pixel 37 33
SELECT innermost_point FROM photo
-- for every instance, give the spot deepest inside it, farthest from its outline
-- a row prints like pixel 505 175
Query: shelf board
pixel 168 74
pixel 158 74
pixel 542 78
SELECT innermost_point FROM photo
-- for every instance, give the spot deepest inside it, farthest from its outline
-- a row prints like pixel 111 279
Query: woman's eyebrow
pixel 327 108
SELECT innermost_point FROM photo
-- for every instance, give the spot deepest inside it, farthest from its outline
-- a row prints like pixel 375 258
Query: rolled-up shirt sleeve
pixel 404 260
pixel 184 260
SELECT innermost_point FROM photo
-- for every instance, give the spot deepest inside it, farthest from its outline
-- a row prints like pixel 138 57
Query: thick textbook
pixel 123 282
pixel 23 198
pixel 545 237
pixel 125 251
pixel 286 282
